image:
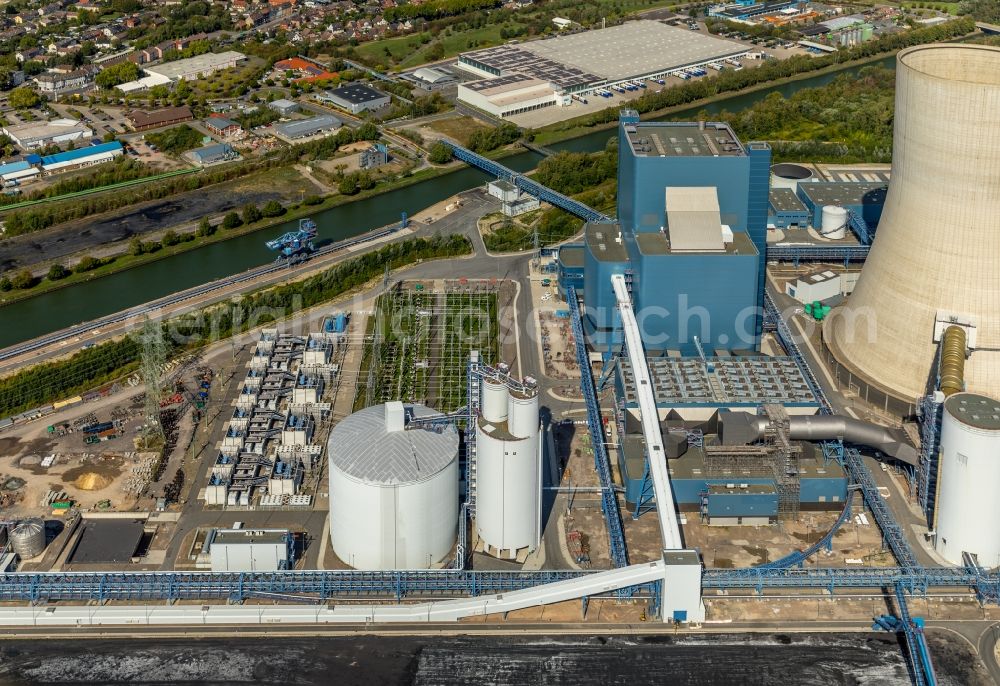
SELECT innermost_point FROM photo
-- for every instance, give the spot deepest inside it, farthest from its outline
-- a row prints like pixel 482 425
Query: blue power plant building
pixel 691 241
pixel 691 237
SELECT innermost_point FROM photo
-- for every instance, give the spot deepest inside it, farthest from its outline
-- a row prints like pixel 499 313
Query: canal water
pixel 82 302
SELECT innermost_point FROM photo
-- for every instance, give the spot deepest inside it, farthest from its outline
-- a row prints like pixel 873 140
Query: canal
pixel 52 311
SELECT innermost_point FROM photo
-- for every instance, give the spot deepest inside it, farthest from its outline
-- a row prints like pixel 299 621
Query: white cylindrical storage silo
pixel 494 399
pixel 522 415
pixel 509 483
pixel 788 175
pixel 834 222
pixel 393 494
pixel 969 480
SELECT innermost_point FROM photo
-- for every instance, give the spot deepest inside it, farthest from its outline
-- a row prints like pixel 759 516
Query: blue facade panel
pixel 600 314
pixel 869 208
pixel 642 184
pixel 784 219
pixel 711 296
pixel 671 295
pixel 832 490
pixel 757 205
pixel 687 491
pixel 570 274
pixel 742 504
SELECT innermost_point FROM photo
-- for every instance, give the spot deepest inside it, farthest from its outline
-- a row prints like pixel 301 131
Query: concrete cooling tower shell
pixel 937 247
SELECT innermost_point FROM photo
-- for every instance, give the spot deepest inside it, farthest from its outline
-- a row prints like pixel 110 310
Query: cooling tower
pixel 937 250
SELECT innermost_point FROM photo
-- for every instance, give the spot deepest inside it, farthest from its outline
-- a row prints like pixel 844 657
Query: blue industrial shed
pixel 866 199
pixel 81 154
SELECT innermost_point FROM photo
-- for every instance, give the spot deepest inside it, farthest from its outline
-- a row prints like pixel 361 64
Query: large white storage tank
pixel 969 479
pixel 509 476
pixel 393 489
pixel 834 222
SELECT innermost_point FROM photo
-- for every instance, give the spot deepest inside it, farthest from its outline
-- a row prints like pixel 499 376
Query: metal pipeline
pixel 952 367
pixel 827 427
pixel 892 442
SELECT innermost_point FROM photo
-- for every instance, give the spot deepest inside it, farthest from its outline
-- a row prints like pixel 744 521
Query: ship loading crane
pixel 295 246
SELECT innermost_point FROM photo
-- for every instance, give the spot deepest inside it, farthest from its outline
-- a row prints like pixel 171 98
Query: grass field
pixel 405 52
pixel 459 128
pixel 418 343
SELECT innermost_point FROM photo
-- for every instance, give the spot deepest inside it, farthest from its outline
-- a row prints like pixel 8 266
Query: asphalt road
pixel 986 645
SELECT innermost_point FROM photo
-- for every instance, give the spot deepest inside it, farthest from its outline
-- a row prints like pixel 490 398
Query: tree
pixel 86 263
pixel 440 153
pixel 116 74
pixel 205 228
pixel 135 247
pixel 231 221
pixel 57 272
pixel 251 214
pixel 366 132
pixel 5 284
pixel 273 209
pixel 23 97
pixel 349 185
pixel 23 279
pixel 171 238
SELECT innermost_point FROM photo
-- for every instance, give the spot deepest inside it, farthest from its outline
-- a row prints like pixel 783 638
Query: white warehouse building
pixel 512 94
pixel 393 488
pixel 197 67
pixel 508 469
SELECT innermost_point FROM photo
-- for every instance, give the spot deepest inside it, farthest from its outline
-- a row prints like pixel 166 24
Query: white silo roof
pixel 362 448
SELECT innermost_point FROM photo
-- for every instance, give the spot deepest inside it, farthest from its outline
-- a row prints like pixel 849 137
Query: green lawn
pixel 405 52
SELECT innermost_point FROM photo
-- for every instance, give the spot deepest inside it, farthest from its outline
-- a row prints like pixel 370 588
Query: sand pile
pixel 92 481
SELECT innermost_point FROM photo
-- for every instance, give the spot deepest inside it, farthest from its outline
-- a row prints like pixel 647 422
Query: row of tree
pixel 88 368
pixel 436 9
pixel 118 171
